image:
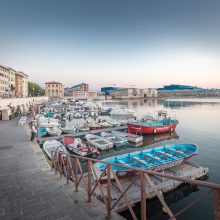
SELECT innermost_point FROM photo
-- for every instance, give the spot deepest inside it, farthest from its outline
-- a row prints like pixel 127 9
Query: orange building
pixel 54 89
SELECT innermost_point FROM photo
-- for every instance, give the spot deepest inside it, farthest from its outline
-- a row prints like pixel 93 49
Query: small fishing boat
pixel 122 112
pixel 155 159
pixel 81 127
pixel 117 141
pixel 77 146
pixel 98 142
pixel 114 122
pixel 68 129
pixel 92 125
pixel 134 138
pixel 54 131
pixel 153 126
pixel 53 145
pixel 103 123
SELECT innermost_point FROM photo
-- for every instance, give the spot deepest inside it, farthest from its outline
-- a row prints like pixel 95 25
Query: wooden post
pixel 89 181
pixel 76 174
pixel 217 204
pixel 109 190
pixel 67 168
pixel 143 198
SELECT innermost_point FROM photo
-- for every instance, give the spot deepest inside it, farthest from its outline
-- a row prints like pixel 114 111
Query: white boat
pixel 82 127
pixel 103 123
pixel 114 122
pixel 53 145
pixel 68 129
pixel 116 140
pixel 77 146
pixel 122 112
pixel 134 138
pixel 99 142
pixel 54 131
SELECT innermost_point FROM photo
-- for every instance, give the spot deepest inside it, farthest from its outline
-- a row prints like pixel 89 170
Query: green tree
pixel 35 90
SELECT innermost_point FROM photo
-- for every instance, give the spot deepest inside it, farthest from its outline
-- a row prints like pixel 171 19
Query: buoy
pixel 98 153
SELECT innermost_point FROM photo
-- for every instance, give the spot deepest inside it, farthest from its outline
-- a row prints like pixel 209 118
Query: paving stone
pixel 28 188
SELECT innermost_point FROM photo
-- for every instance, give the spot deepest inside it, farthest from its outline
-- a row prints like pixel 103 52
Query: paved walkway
pixel 29 190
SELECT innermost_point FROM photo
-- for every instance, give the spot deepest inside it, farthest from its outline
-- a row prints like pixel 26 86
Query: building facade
pixel 80 91
pixel 4 81
pixel 13 83
pixel 126 93
pixel 21 84
pixel 54 89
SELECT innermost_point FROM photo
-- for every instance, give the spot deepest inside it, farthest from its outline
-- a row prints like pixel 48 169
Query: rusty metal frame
pixel 75 172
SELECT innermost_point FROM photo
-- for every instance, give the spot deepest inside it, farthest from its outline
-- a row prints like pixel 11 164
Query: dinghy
pixel 81 127
pixel 114 122
pixel 92 125
pixel 155 159
pixel 134 138
pixel 103 123
pixel 53 145
pixel 77 146
pixel 99 142
pixel 54 131
pixel 68 129
pixel 117 141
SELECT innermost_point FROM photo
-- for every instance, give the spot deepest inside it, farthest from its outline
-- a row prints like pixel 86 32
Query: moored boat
pixel 68 129
pixel 81 127
pixel 114 122
pixel 54 131
pixel 153 126
pixel 99 142
pixel 53 145
pixel 154 159
pixel 92 125
pixel 77 146
pixel 134 138
pixel 117 141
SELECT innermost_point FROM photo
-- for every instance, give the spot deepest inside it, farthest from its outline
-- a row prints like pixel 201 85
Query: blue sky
pixel 144 43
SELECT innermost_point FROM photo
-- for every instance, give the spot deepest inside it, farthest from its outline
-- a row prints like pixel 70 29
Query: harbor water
pixel 199 123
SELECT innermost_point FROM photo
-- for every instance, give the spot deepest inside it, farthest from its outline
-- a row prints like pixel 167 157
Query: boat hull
pixel 134 128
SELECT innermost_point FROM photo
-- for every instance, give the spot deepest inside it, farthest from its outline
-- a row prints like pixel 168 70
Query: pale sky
pixel 143 43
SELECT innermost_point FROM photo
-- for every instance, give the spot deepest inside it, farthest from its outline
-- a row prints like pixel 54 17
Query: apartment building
pixel 54 89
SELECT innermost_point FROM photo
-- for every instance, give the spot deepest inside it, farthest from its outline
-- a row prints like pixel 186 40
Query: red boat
pixel 150 125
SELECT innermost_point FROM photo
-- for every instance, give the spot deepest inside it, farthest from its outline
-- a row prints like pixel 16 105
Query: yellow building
pixel 21 84
pixel 54 89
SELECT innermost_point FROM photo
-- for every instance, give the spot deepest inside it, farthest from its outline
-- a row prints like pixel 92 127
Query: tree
pixel 35 90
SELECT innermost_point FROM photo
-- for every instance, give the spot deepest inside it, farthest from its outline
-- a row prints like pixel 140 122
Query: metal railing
pixel 73 170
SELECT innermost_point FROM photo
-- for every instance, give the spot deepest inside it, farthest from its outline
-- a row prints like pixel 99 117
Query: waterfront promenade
pixel 28 188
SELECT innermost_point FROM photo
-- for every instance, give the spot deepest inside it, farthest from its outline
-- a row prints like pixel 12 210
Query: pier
pixel 29 190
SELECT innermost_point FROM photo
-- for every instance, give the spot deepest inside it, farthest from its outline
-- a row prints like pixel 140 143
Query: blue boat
pixel 154 159
pixel 43 131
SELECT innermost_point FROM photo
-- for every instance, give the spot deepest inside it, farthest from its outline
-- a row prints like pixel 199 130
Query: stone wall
pixel 7 106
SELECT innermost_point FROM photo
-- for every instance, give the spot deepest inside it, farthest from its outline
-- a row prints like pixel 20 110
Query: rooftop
pixel 53 82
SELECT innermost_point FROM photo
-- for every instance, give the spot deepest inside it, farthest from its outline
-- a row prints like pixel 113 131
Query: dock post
pixel 143 198
pixel 89 181
pixel 76 174
pixel 109 190
pixel 217 204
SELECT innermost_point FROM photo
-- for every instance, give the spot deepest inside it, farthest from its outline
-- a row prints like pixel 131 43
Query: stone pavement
pixel 28 188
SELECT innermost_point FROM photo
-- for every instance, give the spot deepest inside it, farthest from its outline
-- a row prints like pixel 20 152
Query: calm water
pixel 199 123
